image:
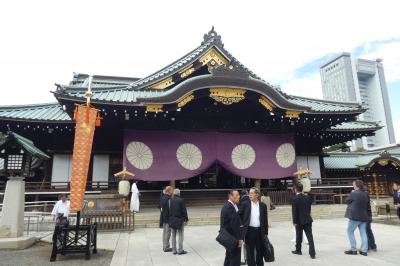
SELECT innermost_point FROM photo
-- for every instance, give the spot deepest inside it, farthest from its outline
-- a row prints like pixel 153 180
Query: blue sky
pixel 374 49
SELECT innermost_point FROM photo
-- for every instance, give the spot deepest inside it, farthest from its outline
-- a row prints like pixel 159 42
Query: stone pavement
pixel 143 246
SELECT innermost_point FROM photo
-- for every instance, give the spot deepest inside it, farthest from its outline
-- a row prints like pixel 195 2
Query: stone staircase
pixel 149 217
pixel 150 199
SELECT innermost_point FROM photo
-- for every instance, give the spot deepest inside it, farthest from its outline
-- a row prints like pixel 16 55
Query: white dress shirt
pixel 61 208
pixel 234 205
pixel 255 214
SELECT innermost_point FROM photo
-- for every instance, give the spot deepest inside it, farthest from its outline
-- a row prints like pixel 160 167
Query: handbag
pixel 228 241
pixel 268 250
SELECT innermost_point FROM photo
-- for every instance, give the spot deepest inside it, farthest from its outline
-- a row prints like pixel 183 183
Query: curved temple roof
pixel 53 113
pixel 47 112
pixel 168 83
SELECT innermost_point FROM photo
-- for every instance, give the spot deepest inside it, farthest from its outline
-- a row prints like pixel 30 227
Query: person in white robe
pixel 60 211
pixel 135 198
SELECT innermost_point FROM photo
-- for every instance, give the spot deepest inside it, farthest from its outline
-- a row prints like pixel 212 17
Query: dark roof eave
pixel 36 120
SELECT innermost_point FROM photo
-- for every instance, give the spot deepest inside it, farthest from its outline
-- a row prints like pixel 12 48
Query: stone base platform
pixel 22 242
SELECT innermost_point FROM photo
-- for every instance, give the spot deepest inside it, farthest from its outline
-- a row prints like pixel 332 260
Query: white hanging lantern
pixel 123 187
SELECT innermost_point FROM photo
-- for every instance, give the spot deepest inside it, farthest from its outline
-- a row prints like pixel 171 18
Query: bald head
pixel 169 190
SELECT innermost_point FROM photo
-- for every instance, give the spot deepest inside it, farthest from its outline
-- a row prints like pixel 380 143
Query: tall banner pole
pixel 86 119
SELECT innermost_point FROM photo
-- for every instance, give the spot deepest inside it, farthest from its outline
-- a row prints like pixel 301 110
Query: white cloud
pixel 307 86
pixel 389 52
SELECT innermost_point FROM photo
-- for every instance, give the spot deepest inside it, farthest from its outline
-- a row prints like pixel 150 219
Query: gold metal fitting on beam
pixel 292 114
pixel 227 96
pixel 154 108
pixel 266 103
pixel 214 56
pixel 187 71
pixel 185 100
pixel 163 84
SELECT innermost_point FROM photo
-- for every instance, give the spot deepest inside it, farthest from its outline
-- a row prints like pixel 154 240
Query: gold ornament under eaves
pixel 214 57
pixel 266 103
pixel 292 114
pixel 227 96
pixel 185 100
pixel 154 108
pixel 163 84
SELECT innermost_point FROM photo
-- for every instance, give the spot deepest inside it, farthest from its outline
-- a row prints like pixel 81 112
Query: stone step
pixel 199 216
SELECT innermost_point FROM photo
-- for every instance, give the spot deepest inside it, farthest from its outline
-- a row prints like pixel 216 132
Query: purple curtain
pixel 168 155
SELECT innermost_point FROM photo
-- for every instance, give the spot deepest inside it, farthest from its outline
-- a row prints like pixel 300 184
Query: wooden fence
pixel 109 220
pixel 280 197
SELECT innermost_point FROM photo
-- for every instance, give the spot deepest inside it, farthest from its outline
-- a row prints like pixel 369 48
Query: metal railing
pixel 54 186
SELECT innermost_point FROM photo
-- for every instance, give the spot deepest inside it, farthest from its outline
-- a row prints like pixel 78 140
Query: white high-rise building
pixel 345 78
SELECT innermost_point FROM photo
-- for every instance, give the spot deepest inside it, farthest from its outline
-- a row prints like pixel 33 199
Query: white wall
pixel 62 168
pixel 312 163
pixel 101 169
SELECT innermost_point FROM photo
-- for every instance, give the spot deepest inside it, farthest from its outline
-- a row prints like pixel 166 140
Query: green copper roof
pixel 25 143
pixel 120 94
pixel 318 105
pixel 50 112
pixel 351 160
pixel 356 126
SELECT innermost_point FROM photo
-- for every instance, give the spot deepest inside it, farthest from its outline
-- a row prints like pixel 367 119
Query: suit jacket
pixel 178 209
pixel 301 209
pixel 396 200
pixel 230 220
pixel 357 206
pixel 263 217
pixel 164 203
pixel 242 204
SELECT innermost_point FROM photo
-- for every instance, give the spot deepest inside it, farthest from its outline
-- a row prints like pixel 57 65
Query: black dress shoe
pixel 183 252
pixel 174 252
pixel 243 263
pixel 363 253
pixel 297 252
pixel 350 252
pixel 313 257
pixel 168 250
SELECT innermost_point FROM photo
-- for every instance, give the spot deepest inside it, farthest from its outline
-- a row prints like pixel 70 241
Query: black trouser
pixel 370 235
pixel 299 237
pixel 254 244
pixel 232 258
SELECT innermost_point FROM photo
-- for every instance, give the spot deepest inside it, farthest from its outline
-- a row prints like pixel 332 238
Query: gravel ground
pixel 39 254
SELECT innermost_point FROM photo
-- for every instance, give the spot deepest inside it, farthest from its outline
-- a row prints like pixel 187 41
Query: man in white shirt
pixel 60 211
pixel 255 219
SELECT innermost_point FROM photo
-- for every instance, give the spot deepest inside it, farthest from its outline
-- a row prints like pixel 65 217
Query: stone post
pixel 12 215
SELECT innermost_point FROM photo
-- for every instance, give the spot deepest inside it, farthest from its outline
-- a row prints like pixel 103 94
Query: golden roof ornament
pixel 124 174
pixel 303 171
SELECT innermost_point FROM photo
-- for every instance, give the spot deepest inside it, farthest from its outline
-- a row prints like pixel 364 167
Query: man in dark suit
pixel 177 213
pixel 255 220
pixel 164 218
pixel 302 221
pixel 230 221
pixel 396 196
pixel 370 234
pixel 244 200
pixel 357 212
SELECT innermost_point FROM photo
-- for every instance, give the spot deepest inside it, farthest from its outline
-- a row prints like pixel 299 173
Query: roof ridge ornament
pixel 212 36
pixel 233 68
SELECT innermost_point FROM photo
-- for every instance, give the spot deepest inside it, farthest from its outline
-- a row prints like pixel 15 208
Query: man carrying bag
pixel 230 235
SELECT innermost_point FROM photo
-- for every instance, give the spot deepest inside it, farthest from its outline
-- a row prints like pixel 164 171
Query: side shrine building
pixel 204 121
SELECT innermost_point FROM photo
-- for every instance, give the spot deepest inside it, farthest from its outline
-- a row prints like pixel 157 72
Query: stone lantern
pixel 17 153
